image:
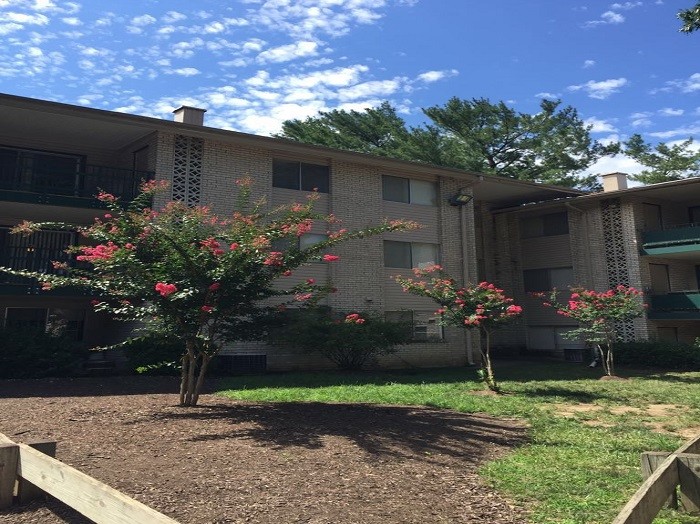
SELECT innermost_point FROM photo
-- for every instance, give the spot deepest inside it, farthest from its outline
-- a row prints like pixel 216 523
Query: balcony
pixel 37 253
pixel 683 305
pixel 679 242
pixel 61 181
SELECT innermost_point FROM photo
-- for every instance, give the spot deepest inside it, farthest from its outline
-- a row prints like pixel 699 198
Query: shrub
pixel 34 353
pixel 349 340
pixel 154 355
pixel 658 354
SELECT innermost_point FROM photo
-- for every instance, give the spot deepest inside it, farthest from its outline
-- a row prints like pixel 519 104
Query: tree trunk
pixel 487 369
pixel 189 366
pixel 184 365
pixel 200 379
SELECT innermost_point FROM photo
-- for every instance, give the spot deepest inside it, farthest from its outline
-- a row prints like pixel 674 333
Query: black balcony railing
pixel 65 177
pixel 36 253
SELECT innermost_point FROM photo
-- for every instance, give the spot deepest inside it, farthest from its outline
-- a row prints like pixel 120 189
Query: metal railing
pixel 18 174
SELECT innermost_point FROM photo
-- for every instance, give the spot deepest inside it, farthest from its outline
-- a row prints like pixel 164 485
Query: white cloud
pixel 640 119
pixel 173 16
pixel 607 18
pixel 599 126
pixel 616 164
pixel 183 71
pixel 587 64
pixel 600 89
pixel 625 6
pixel 286 53
pixel 668 111
pixel 25 19
pixel 373 88
pixel 305 18
pixel 137 23
pixel 72 20
pixel 143 20
pixel 434 76
pixel 684 131
pixel 547 95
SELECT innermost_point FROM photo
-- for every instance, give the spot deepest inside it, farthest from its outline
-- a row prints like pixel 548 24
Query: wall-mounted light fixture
pixel 461 198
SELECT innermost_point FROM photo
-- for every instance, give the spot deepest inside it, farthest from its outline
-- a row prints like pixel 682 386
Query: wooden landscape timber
pixel 29 472
pixel 664 472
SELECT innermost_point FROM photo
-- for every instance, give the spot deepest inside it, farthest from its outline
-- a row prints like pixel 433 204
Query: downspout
pixel 466 274
pixel 587 238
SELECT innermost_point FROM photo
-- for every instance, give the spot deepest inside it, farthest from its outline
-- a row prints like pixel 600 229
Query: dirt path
pixel 232 462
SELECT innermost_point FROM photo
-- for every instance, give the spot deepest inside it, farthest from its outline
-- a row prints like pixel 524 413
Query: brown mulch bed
pixel 234 462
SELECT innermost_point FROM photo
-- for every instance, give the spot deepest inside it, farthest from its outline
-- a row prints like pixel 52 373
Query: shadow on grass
pixel 381 431
pixel 571 395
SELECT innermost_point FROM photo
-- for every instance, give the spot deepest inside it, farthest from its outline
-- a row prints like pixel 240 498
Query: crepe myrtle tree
pixel 187 273
pixel 598 315
pixel 475 306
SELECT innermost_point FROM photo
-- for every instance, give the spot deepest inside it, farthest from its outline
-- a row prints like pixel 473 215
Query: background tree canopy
pixel 663 162
pixel 552 146
pixel 690 18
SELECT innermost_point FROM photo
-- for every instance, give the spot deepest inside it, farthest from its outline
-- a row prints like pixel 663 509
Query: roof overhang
pixel 39 119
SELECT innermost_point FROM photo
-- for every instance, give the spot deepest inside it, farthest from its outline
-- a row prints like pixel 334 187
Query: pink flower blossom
pixel 207 309
pixel 514 310
pixel 106 197
pixel 330 258
pixel 164 289
pixel 215 286
pixel 274 258
pixel 234 246
pixel 311 281
pixel 99 252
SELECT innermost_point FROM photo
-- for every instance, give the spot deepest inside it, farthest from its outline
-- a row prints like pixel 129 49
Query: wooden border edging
pixel 680 467
pixel 90 497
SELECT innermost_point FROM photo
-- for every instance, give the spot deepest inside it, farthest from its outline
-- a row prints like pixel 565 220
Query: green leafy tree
pixel 690 18
pixel 378 131
pixel 552 146
pixel 482 306
pixel 598 315
pixel 663 162
pixel 192 275
pixel 348 340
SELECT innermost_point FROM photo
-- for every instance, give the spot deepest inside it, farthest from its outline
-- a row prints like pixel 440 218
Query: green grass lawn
pixel 582 462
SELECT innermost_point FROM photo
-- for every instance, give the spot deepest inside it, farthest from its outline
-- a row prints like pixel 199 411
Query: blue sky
pixel 255 63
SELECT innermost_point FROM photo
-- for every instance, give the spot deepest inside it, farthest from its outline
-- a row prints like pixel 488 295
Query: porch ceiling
pixel 33 124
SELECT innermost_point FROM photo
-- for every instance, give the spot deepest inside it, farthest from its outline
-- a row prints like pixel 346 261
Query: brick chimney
pixel 190 115
pixel 614 182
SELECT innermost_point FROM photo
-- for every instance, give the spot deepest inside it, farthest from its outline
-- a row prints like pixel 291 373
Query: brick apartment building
pixel 523 236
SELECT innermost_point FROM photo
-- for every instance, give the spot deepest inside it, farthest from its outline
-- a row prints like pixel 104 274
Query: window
pixel 425 325
pixel 304 241
pixel 410 254
pixel 298 175
pixel 309 239
pixel 544 225
pixel 409 191
pixel 548 278
pixel 57 322
pixel 667 334
pixel 39 171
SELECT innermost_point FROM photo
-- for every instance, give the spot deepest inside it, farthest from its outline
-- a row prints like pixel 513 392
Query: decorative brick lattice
pixel 187 169
pixel 615 257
